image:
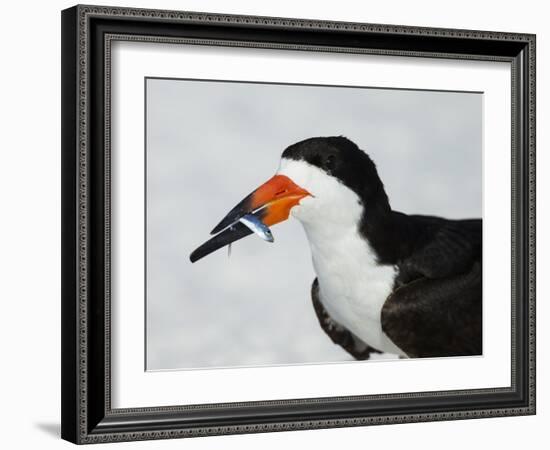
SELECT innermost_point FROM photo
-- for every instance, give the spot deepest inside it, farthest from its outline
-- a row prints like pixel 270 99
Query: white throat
pixel 353 286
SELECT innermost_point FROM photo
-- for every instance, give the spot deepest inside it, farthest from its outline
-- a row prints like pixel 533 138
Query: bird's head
pixel 319 180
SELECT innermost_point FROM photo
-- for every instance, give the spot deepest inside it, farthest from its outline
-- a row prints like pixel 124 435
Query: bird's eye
pixel 329 162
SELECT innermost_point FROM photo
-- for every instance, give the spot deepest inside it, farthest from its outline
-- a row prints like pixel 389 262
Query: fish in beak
pixel 257 226
pixel 268 205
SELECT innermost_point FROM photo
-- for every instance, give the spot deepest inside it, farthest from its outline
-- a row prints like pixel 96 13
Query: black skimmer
pixel 410 285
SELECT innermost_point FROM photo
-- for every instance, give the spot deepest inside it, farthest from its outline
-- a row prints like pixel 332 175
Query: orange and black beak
pixel 270 203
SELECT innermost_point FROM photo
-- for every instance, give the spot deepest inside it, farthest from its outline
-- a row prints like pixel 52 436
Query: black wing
pixel 443 249
pixel 337 333
pixel 436 306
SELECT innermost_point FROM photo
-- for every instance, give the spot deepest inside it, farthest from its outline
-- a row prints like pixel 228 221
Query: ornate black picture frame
pixel 87 34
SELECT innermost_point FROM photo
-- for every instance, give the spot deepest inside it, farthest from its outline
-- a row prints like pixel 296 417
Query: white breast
pixel 353 286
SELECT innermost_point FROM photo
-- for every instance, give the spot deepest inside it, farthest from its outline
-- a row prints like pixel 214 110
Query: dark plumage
pixel 436 305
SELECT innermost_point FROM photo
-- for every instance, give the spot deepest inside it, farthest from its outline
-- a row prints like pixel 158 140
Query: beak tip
pixel 227 236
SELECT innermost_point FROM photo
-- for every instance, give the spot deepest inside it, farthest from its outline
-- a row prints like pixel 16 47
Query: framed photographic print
pixel 278 224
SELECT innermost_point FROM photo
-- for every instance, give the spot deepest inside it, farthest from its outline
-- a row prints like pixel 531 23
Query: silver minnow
pixel 257 226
